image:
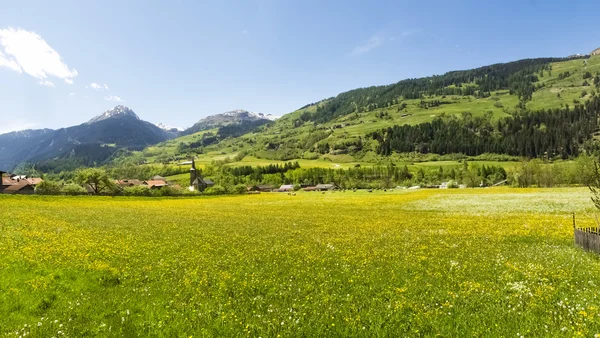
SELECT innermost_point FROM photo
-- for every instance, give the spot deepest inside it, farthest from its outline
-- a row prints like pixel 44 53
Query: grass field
pixel 481 262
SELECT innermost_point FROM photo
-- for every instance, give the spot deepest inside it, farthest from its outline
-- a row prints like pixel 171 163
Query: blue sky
pixel 178 61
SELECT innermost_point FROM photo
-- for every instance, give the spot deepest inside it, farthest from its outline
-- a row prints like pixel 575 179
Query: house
pixel 155 184
pixel 261 188
pixel 286 188
pixel 3 181
pixel 128 183
pixel 265 188
pixel 197 182
pixel 325 187
pixel 21 188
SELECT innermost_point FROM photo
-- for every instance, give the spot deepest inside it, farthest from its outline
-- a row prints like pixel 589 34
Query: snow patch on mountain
pixel 168 128
pixel 114 112
pixel 250 115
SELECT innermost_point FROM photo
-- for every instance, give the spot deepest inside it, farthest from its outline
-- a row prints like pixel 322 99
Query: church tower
pixel 193 173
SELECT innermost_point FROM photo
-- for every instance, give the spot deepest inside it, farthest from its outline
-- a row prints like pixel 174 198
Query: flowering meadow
pixel 455 263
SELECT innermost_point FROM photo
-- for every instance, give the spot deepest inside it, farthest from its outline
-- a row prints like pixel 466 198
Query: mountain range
pixel 97 140
pixel 362 125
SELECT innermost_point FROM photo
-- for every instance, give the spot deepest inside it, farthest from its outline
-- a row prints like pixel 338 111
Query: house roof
pixel 129 183
pixel 324 186
pixel 155 183
pixel 265 186
pixel 35 180
pixel 16 187
pixel 205 180
pixel 286 186
pixel 8 181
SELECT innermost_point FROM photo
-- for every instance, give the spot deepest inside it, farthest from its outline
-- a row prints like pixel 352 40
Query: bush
pixel 137 191
pixel 452 184
pixel 73 189
pixel 164 191
pixel 240 189
pixel 215 190
pixel 48 188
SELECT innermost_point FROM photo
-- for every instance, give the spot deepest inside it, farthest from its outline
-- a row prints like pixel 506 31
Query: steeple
pixel 193 173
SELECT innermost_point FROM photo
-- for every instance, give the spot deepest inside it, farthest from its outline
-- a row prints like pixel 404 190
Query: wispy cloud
pixel 15 125
pixel 113 98
pixel 26 52
pixel 46 83
pixel 374 42
pixel 97 86
pixel 388 35
pixel 72 94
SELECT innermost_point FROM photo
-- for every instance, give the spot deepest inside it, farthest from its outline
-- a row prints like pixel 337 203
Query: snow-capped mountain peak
pixel 168 128
pixel 244 113
pixel 116 111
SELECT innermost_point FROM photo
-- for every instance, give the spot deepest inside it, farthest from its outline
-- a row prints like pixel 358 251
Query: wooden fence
pixel 587 238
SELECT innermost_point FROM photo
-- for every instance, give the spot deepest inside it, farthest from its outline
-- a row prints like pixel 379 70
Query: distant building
pixel 21 188
pixel 325 187
pixel 595 52
pixel 18 184
pixel 3 181
pixel 128 183
pixel 286 188
pixel 197 182
pixel 155 184
pixel 261 188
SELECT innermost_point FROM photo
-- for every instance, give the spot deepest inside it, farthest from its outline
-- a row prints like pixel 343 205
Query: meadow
pixel 455 263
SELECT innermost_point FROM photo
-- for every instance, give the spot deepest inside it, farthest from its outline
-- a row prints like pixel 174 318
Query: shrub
pixel 137 191
pixel 240 189
pixel 215 190
pixel 48 188
pixel 452 184
pixel 73 189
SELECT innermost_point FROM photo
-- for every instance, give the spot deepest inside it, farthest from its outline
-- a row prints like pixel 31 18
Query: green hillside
pixel 337 132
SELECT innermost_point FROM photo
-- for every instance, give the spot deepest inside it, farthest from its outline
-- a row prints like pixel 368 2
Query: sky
pixel 175 62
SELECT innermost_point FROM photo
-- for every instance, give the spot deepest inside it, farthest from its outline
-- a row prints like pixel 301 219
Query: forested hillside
pixel 530 108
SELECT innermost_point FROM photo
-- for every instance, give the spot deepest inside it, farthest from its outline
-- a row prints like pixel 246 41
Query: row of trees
pixel 556 132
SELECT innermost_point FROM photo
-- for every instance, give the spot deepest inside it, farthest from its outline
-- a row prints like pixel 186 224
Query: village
pixel 25 185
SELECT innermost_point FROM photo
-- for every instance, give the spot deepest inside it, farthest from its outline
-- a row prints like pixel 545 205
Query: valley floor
pixel 468 262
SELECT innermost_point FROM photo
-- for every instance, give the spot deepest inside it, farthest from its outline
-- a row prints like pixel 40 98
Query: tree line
pixel 515 76
pixel 550 133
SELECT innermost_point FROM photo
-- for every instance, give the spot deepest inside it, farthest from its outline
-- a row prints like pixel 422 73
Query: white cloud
pixel 15 125
pixel 113 98
pixel 97 86
pixel 72 94
pixel 24 51
pixel 46 83
pixel 374 42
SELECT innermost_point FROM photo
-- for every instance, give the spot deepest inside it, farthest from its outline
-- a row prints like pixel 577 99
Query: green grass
pixel 461 263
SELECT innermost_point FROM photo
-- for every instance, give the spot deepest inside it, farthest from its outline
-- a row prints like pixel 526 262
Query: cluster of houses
pixel 290 188
pixel 155 182
pixel 18 184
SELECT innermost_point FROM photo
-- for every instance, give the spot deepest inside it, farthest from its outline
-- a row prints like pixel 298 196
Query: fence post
pixel 574 227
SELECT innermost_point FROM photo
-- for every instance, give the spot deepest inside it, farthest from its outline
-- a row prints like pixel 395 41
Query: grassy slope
pixel 460 263
pixel 283 130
